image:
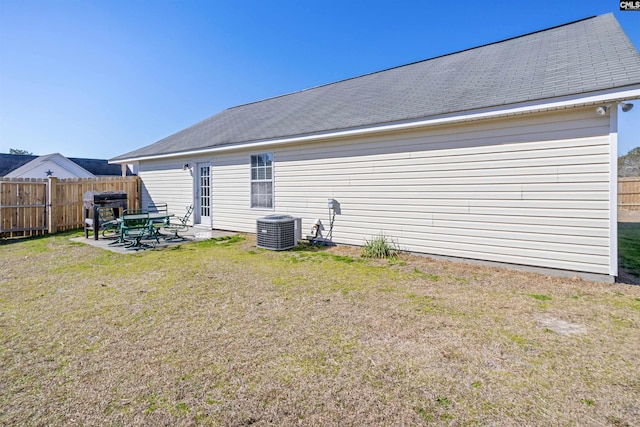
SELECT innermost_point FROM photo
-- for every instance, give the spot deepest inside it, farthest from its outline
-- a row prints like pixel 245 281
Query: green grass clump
pixel 443 401
pixel 424 414
pixel 432 277
pixel 221 241
pixel 380 246
pixel 540 297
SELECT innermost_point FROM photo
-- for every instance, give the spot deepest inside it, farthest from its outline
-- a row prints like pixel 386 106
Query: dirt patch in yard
pixel 560 326
pixel 221 333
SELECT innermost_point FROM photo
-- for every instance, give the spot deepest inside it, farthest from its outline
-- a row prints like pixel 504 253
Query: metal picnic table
pixel 135 225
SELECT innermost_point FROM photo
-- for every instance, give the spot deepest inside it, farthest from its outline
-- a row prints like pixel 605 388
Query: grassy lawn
pixel 219 333
pixel 629 246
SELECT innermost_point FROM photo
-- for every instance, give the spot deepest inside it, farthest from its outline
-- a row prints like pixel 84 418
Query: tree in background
pixel 629 164
pixel 19 151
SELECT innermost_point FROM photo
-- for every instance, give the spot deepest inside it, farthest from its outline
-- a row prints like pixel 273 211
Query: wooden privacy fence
pixel 629 194
pixel 30 207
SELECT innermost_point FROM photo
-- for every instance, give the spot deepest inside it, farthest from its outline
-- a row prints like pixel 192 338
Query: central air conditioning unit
pixel 278 232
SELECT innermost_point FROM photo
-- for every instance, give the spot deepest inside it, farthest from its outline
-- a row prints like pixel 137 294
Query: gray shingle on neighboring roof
pixel 580 57
pixel 11 162
pixel 99 167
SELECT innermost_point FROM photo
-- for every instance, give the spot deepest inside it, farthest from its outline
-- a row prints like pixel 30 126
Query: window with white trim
pixel 262 181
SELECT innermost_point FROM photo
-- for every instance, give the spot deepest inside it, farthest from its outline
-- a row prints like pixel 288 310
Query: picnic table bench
pixel 138 224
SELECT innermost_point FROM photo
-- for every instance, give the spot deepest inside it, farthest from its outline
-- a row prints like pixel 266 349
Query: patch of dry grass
pixel 220 333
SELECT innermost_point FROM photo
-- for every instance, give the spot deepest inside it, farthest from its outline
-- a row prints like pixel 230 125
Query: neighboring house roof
pixel 11 162
pixel 590 55
pixel 20 164
pixel 100 167
pixel 50 165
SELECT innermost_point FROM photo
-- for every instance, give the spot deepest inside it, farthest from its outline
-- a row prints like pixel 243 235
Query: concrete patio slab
pixel 194 234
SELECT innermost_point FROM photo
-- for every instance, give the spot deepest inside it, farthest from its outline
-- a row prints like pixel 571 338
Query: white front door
pixel 203 194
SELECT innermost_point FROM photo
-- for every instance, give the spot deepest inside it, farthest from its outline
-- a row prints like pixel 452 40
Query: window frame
pixel 261 172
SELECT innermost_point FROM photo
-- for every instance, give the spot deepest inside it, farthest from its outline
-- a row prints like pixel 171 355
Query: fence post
pixel 53 207
pixel 139 192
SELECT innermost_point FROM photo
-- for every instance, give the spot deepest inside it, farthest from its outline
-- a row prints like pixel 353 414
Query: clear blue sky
pixel 101 78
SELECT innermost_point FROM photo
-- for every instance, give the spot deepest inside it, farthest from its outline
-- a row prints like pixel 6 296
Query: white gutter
pixel 631 92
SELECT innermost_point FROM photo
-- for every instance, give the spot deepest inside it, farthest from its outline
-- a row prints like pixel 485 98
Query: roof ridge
pixel 533 68
pixel 417 62
pixel 85 158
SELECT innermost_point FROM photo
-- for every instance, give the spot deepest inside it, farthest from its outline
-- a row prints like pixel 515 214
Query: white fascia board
pixel 606 96
pixel 70 166
pixel 54 158
pixel 29 166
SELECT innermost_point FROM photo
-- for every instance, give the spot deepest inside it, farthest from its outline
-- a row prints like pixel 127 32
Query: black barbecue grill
pixel 94 200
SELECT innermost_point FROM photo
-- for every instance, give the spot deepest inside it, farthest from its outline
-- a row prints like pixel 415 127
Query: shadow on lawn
pixel 629 252
pixel 305 246
pixel 12 240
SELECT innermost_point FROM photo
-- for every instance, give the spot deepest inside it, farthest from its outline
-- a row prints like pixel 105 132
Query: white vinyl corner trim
pixel 613 191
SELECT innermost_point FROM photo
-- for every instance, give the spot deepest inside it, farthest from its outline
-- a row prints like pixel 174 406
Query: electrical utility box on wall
pixel 278 232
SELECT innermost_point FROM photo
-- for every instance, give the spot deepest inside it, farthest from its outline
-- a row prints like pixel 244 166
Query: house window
pixel 262 181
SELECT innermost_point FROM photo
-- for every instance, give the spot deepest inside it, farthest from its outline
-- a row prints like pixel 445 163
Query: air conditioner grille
pixel 276 232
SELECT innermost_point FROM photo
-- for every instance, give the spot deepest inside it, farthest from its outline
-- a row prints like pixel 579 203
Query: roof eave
pixel 584 99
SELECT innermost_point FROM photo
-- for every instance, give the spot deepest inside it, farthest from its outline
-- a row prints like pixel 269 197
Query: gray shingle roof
pixel 584 56
pixel 99 167
pixel 10 162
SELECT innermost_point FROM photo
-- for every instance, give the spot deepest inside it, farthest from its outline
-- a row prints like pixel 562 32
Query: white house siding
pixel 167 182
pixel 531 190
